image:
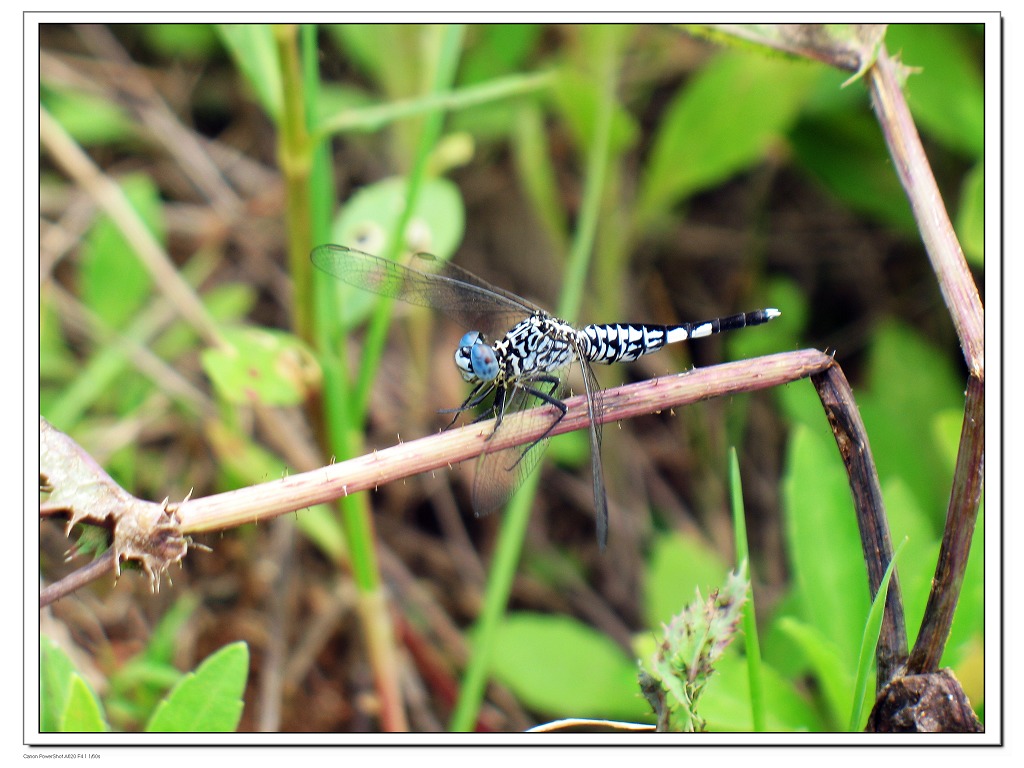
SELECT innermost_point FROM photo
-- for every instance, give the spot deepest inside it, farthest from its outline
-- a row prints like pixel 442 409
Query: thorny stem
pixel 268 500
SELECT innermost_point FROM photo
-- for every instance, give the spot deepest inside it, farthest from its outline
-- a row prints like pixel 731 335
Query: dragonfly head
pixel 475 359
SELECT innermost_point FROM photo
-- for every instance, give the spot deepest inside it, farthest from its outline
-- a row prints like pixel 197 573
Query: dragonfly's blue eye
pixel 475 359
pixel 485 362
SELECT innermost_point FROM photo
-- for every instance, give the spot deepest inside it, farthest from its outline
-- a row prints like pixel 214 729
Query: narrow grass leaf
pixel 751 643
pixel 869 641
pixel 253 48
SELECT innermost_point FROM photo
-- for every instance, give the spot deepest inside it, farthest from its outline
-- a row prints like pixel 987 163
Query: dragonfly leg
pixel 549 398
pixel 477 396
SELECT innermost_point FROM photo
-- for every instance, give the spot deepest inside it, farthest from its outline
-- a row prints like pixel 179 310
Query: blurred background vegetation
pixel 695 179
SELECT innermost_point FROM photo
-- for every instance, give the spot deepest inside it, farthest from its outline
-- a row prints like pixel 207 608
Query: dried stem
pixel 964 303
pixel 372 470
pixel 956 541
pixel 279 497
pixel 940 242
pixel 852 439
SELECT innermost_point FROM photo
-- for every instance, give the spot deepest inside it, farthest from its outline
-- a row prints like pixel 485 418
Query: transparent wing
pixel 430 282
pixel 500 473
pixel 595 408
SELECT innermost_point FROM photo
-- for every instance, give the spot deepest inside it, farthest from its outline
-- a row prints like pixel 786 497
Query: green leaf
pixel 55 673
pixel 823 541
pixel 208 700
pixel 83 713
pixel 90 120
pixel 113 282
pixel 725 703
pixel 970 218
pixel 829 664
pixel 392 55
pixel 677 565
pixel 194 42
pixel 872 628
pixel 367 218
pixel 561 667
pixel 720 123
pixel 493 51
pixel 909 383
pixel 261 366
pixel 845 151
pixel 578 96
pixel 254 51
pixel 911 528
pixel 163 642
pixel 321 525
pixel 947 96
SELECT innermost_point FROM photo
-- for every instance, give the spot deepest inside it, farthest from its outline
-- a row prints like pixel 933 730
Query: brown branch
pixel 961 518
pixel 851 437
pixel 372 470
pixel 964 303
pixel 267 500
pixel 940 241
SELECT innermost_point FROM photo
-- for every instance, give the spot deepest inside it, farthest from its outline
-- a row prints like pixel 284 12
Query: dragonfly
pixel 516 355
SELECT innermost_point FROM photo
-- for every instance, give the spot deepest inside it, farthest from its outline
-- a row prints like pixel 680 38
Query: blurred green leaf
pixel 823 541
pixel 55 673
pixel 910 528
pixel 83 713
pixel 970 218
pixel 90 120
pixel 137 686
pixel 493 50
pixel 725 704
pixel 570 449
pixel 254 51
pixel 261 366
pixel 947 96
pixel 208 700
pixel 391 54
pixel 578 96
pixel 721 122
pixel 564 668
pixel 908 384
pixel 832 669
pixel 320 524
pixel 845 151
pixel 366 220
pixel 195 42
pixel 676 566
pixel 967 635
pixel 113 283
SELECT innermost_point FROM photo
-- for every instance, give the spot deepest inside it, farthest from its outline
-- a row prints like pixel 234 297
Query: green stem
pixel 517 515
pixel 451 47
pixel 374 118
pixel 294 153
